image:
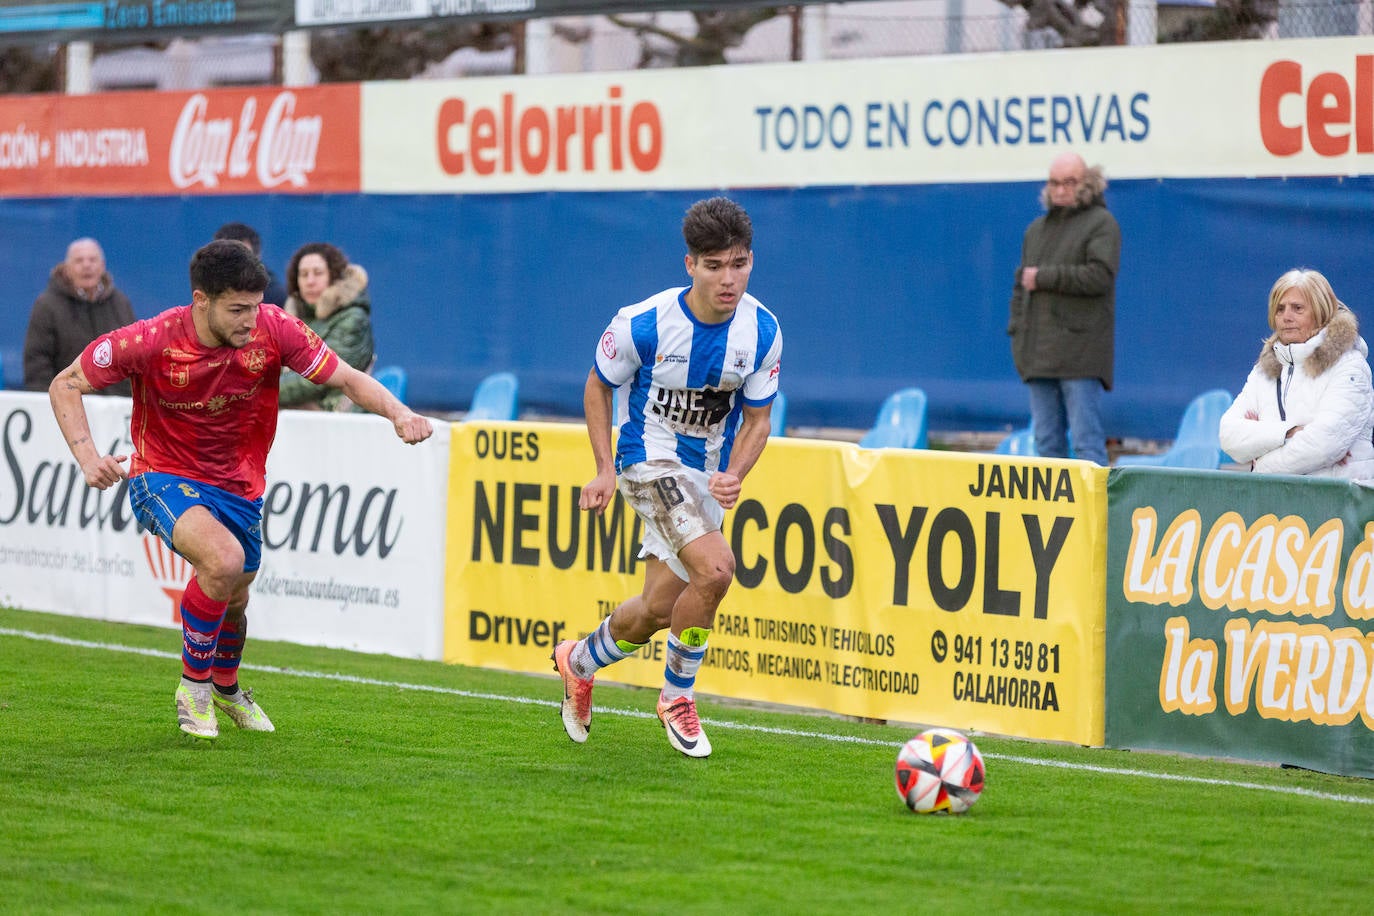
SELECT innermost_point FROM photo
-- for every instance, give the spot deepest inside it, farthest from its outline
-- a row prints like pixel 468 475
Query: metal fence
pixel 877 28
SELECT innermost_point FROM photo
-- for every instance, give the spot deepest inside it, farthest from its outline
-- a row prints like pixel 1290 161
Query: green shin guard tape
pixel 694 636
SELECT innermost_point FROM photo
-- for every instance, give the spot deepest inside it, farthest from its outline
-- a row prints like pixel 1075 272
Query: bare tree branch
pixel 1081 23
pixel 356 55
pixel 717 31
pixel 1229 19
pixel 28 70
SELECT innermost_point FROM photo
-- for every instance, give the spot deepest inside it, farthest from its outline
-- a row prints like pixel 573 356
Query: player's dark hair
pixel 717 224
pixel 241 232
pixel 334 259
pixel 223 265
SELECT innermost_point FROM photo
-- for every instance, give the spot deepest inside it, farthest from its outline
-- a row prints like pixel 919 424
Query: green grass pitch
pixel 402 786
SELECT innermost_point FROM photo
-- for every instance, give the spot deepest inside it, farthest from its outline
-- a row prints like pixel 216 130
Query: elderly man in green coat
pixel 1063 311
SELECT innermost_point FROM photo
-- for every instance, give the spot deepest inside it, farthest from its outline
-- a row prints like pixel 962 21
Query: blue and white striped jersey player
pixel 700 365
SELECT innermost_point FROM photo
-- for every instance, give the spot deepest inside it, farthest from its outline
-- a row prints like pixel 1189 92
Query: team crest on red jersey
pixel 255 360
pixel 178 366
pixel 311 337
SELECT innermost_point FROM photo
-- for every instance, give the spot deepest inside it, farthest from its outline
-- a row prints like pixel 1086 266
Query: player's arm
pixel 596 403
pixel 372 396
pixel 749 442
pixel 100 471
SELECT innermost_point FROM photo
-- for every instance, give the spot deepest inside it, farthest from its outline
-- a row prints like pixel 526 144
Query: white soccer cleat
pixel 679 718
pixel 195 710
pixel 576 708
pixel 246 714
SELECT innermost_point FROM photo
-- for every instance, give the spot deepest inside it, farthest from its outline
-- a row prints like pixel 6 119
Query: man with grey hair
pixel 1063 311
pixel 80 303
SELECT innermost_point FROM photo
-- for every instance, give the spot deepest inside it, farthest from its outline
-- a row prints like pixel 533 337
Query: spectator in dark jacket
pixel 1063 311
pixel 275 294
pixel 330 295
pixel 79 305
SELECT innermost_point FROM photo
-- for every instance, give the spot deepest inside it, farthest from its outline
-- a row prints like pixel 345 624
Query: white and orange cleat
pixel 576 708
pixel 679 718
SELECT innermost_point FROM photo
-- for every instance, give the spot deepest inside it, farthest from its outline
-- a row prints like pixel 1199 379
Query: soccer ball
pixel 939 771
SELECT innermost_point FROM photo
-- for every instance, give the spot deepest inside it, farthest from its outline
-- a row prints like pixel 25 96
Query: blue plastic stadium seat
pixel 1021 442
pixel 497 398
pixel 901 422
pixel 1018 442
pixel 393 379
pixel 1198 442
pixel 778 417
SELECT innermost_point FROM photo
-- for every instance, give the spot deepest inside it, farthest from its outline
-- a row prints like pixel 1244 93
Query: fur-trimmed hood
pixel 1092 192
pixel 349 289
pixel 1342 333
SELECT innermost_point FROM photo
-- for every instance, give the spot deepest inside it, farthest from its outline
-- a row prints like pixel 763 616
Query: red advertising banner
pixel 216 141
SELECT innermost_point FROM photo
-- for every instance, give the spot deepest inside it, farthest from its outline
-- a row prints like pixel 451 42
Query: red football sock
pixel 201 617
pixel 229 650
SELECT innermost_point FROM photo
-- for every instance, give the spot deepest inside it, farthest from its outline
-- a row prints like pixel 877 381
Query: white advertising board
pixel 353 531
pixel 345 12
pixel 1232 109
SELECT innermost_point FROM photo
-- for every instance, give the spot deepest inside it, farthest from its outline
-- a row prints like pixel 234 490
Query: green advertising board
pixel 1240 617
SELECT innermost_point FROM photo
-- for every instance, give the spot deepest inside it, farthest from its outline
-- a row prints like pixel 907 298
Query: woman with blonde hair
pixel 1308 404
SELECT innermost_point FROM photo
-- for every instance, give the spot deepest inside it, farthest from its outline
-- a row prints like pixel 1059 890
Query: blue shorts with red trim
pixel 159 500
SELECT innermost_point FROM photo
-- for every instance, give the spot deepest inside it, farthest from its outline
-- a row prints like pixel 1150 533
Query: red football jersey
pixel 207 413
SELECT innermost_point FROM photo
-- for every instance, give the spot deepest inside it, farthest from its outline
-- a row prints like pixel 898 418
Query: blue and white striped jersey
pixel 687 381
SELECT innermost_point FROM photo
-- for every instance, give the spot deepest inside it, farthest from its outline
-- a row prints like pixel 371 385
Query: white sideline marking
pixel 715 723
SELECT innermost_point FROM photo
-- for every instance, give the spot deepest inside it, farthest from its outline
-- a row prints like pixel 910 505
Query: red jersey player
pixel 205 380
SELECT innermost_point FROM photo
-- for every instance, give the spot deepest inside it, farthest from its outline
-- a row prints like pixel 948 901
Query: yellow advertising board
pixel 936 587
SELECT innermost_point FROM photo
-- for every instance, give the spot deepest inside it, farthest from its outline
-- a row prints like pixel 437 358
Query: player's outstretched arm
pixel 372 396
pixel 596 404
pixel 100 471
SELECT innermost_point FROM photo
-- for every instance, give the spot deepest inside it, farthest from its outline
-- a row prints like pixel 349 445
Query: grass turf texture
pixel 373 798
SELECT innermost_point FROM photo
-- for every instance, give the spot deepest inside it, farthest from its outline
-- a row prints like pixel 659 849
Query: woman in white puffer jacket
pixel 1308 405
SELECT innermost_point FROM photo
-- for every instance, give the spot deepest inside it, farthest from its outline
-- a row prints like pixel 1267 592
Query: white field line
pixel 716 723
